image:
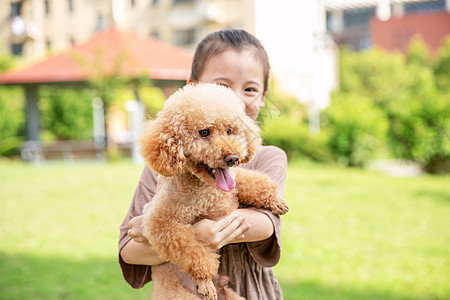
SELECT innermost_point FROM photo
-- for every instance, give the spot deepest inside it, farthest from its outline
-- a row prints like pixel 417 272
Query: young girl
pixel 248 240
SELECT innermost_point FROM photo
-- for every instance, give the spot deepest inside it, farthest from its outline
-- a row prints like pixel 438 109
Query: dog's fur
pixel 173 146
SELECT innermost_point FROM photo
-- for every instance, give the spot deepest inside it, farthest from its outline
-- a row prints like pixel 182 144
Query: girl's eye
pixel 222 84
pixel 228 131
pixel 251 90
pixel 204 132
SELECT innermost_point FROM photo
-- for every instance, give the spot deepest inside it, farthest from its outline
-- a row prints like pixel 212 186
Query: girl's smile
pixel 240 71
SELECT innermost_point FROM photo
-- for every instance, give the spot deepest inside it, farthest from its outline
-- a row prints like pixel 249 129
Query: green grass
pixel 350 234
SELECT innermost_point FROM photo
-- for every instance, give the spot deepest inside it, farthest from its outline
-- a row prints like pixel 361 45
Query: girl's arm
pixel 260 225
pixel 136 253
pixel 254 226
pixel 217 234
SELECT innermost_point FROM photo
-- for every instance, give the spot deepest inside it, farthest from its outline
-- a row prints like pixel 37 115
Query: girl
pixel 248 240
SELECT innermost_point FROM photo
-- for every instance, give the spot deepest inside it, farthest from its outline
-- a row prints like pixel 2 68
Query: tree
pixel 12 118
pixel 67 112
pixel 412 91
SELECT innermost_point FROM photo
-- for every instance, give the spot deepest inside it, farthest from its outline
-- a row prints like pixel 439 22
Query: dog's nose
pixel 231 160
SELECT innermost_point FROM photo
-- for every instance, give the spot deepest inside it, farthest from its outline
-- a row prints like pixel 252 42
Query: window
pixel 70 5
pixel 16 8
pixel 425 6
pixel 100 23
pixel 184 37
pixel 328 20
pixel 17 49
pixel 47 7
pixel 155 34
pixel 358 17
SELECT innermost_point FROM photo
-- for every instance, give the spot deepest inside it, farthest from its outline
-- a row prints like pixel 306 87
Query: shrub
pixel 66 113
pixel 375 74
pixel 420 129
pixel 441 67
pixel 354 126
pixel 420 126
pixel 153 98
pixel 412 91
pixel 12 120
pixel 294 138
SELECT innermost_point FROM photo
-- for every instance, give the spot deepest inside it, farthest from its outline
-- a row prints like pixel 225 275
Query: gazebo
pixel 128 54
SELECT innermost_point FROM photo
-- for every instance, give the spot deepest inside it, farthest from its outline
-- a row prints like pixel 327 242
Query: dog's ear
pixel 161 146
pixel 253 138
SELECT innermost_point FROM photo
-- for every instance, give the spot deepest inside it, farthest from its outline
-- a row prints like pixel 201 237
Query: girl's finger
pixel 225 222
pixel 233 229
pixel 130 233
pixel 238 233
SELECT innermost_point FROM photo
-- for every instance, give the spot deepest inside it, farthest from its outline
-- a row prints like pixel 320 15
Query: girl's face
pixel 240 71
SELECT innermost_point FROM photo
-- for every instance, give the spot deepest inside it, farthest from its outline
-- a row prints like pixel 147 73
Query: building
pixel 390 24
pixel 397 33
pixel 293 32
pixel 31 28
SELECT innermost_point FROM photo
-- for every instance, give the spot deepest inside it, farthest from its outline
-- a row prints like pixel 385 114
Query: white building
pixel 302 55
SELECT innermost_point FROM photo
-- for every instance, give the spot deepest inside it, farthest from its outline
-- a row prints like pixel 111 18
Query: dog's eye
pixel 203 132
pixel 228 131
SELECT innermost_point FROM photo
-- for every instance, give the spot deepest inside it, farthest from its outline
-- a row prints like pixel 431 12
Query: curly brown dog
pixel 201 132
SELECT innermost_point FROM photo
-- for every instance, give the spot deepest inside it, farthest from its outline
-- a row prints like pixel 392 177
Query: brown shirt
pixel 247 264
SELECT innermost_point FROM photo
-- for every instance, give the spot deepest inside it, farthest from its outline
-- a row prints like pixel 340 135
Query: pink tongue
pixel 224 181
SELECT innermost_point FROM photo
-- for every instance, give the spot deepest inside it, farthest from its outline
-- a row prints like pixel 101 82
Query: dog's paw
pixel 279 207
pixel 206 288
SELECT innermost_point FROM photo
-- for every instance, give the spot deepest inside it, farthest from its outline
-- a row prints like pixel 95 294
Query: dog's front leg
pixel 177 242
pixel 258 190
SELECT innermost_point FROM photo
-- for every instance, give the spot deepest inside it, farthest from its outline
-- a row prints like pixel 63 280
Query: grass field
pixel 350 234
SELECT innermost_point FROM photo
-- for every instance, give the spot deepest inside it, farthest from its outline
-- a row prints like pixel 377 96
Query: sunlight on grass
pixel 59 230
pixel 350 234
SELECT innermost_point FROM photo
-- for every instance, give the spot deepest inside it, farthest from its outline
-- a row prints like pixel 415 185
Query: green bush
pixel 294 138
pixel 412 91
pixel 7 61
pixel 441 67
pixel 420 130
pixel 12 120
pixel 282 122
pixel 355 127
pixel 420 123
pixel 375 74
pixel 153 98
pixel 12 117
pixel 66 113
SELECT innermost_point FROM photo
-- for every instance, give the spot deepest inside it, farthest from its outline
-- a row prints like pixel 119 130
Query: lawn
pixel 350 234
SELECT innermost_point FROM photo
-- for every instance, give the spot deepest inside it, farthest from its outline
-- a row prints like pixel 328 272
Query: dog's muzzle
pixel 231 160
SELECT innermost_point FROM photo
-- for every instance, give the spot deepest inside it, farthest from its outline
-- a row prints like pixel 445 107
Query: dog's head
pixel 204 129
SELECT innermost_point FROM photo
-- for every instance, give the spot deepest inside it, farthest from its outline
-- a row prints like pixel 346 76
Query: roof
pixel 109 52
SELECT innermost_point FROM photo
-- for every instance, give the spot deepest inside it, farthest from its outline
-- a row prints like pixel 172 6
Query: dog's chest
pixel 211 203
pixel 217 203
pixel 192 203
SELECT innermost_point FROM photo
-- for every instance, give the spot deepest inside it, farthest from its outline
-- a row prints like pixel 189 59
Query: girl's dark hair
pixel 219 41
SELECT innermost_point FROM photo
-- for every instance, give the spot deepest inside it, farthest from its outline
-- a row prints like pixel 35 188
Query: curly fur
pixel 174 148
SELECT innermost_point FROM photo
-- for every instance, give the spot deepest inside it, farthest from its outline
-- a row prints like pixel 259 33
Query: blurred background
pixel 371 57
pixel 359 99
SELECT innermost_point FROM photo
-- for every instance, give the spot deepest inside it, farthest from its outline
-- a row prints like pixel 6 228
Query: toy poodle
pixel 201 133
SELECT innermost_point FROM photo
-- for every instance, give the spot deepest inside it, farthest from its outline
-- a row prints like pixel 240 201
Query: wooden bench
pixel 33 151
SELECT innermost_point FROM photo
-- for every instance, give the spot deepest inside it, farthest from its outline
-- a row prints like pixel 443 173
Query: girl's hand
pixel 221 232
pixel 135 231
